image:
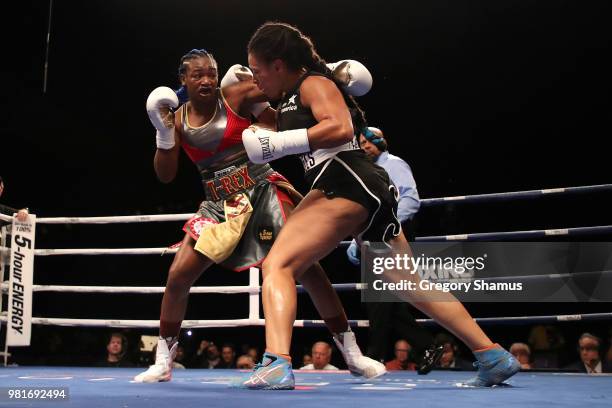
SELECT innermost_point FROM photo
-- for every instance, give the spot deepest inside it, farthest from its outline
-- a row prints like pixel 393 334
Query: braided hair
pixel 182 69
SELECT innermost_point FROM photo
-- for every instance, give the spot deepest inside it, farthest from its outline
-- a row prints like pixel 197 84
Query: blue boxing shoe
pixel 495 365
pixel 273 373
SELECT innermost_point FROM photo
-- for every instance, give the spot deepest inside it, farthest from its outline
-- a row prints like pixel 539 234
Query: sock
pixel 285 356
pixel 491 347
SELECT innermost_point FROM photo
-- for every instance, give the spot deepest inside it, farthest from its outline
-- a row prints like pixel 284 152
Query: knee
pixel 178 280
pixel 275 267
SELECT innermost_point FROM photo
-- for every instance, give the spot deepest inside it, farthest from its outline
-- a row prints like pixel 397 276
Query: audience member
pixel 401 361
pixel 590 350
pixel 321 356
pixel 450 357
pixel 115 352
pixel 228 357
pixel 245 362
pixel 522 352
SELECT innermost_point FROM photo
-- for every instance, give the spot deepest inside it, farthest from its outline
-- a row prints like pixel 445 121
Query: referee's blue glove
pixel 354 253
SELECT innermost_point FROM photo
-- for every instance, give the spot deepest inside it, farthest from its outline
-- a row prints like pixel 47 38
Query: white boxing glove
pixel 263 146
pixel 162 98
pixel 355 77
pixel 237 73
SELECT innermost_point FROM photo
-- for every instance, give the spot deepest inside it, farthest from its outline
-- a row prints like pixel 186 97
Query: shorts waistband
pixel 233 178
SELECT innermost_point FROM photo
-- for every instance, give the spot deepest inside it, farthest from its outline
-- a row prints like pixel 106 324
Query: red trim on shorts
pixel 283 197
pixel 244 268
pixel 274 177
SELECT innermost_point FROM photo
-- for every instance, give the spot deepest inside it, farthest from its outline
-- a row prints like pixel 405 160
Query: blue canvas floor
pixel 112 387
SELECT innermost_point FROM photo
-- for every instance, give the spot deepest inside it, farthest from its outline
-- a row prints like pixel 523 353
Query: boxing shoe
pixel 273 373
pixel 162 369
pixel 358 364
pixel 495 365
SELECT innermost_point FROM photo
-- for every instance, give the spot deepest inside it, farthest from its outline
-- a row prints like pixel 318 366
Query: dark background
pixel 478 96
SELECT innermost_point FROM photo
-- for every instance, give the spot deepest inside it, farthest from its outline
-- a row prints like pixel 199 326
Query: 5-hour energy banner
pixel 21 272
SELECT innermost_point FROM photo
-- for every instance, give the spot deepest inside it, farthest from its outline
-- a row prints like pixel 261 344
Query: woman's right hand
pixel 159 102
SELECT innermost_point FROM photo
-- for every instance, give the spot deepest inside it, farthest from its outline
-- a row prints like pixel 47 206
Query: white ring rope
pixel 183 217
pixel 154 324
pixel 105 251
pixel 228 290
pixel 195 324
pixel 598 229
pixel 118 219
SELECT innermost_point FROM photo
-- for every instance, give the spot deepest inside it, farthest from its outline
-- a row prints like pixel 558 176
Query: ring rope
pixel 122 219
pixel 340 287
pixel 599 229
pixel 228 290
pixel 105 251
pixel 515 195
pixel 424 202
pixel 483 236
pixel 195 324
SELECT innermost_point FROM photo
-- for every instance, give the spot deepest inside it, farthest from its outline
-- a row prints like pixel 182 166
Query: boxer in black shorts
pixel 349 196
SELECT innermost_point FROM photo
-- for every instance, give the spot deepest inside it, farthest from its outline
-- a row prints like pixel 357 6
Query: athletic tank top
pixel 219 138
pixel 291 114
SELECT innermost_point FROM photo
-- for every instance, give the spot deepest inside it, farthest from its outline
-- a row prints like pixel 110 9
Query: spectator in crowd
pixel 522 353
pixel 115 352
pixel 401 361
pixel 213 357
pixel 546 344
pixel 228 357
pixel 306 359
pixel 450 356
pixel 245 362
pixel 253 352
pixel 209 357
pixel 180 358
pixel 198 358
pixel 321 356
pixel 590 349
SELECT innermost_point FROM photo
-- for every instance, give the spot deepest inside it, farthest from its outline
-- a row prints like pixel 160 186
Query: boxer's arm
pixel 327 104
pixel 238 83
pixel 268 115
pixel 165 161
pixel 163 119
pixel 334 127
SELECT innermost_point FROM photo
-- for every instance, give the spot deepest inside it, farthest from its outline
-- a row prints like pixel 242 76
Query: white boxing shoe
pixel 162 369
pixel 358 364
